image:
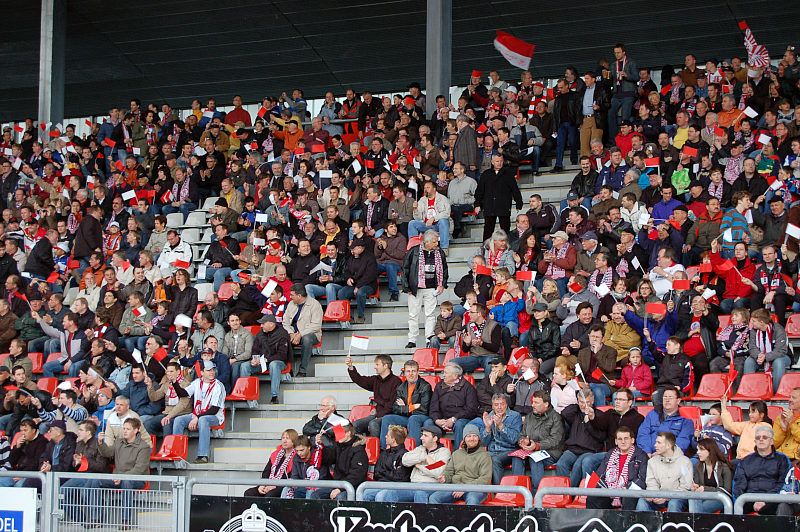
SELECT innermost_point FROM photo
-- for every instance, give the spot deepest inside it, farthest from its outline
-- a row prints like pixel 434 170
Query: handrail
pixel 432 486
pixel 727 504
pixel 286 483
pixel 741 500
pixel 45 522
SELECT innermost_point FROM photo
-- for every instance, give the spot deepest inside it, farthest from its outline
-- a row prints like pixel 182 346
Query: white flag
pixel 635 263
pixel 764 139
pixel 334 420
pixel 183 320
pixel 359 342
pixel 269 287
pixel 727 236
pixel 749 111
pixel 528 375
pixel 793 231
pixel 709 293
pixel 578 370
pixel 137 355
pixel 602 290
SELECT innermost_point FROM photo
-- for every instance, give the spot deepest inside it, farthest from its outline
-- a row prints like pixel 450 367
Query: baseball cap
pixel 589 235
pixel 539 307
pixel 59 424
pixel 560 234
pixel 268 318
pixel 572 196
pixel 209 364
pixel 436 431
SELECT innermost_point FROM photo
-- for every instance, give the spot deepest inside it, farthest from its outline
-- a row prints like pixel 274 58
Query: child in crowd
pixel 636 376
pixel 715 430
pixel 447 325
pixel 506 314
pixel 501 278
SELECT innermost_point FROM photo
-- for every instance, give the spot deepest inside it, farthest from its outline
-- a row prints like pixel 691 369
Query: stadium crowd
pixel 684 209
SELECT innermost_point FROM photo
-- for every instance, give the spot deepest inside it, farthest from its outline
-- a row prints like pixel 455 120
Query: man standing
pixel 425 271
pixel 384 387
pixel 624 76
pixel 595 102
pixel 465 149
pixel 496 190
pixel 566 115
pixel 303 321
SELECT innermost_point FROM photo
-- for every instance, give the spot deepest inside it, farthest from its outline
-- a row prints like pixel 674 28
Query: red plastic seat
pixel 693 413
pixel 245 389
pixel 4 359
pixel 509 499
pixel 793 326
pixel 433 380
pixel 470 379
pixel 174 447
pixel 427 358
pixel 53 357
pixel 754 386
pixel 555 501
pixel 47 384
pixel 254 329
pixel 448 356
pixel 789 382
pixel 736 413
pixel 724 320
pixel 712 387
pixel 774 411
pixel 337 312
pixel 579 502
pixel 410 444
pixel 38 362
pixel 225 291
pixel 414 241
pixel 373 449
pixel 605 408
pixel 644 409
pixel 447 442
pixel 360 412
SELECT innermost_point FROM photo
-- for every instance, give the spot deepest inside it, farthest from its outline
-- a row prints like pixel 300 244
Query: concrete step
pixel 328 370
pixel 277 425
pixel 312 397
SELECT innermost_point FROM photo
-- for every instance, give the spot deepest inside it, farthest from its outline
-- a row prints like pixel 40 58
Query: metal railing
pixel 431 486
pixel 43 513
pixel 741 500
pixel 727 504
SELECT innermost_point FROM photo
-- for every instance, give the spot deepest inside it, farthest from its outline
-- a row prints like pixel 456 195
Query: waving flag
pixel 757 54
pixel 516 51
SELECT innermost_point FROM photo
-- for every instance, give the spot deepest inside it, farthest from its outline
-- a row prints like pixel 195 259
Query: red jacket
pixel 640 377
pixel 734 287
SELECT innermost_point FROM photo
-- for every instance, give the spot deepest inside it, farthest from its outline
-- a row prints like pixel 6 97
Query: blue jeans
pixel 673 505
pixel 727 306
pixel 391 270
pixel 419 497
pixel 346 292
pixel 132 342
pixel 534 157
pixel 601 391
pixel 567 136
pixel 537 469
pixel 779 366
pixel 127 488
pixel 404 421
pixel 315 291
pixel 704 507
pixel 626 105
pixel 203 428
pixel 37 345
pixel 436 343
pixel 184 209
pixel 51 345
pixel 275 368
pixel 570 465
pixel 499 462
pixel 417 227
pixel 54 368
pixel 217 275
pixel 325 494
pixel 458 429
pixel 307 344
pixel 471 363
pixel 590 464
pixel 446 497
pixel 332 291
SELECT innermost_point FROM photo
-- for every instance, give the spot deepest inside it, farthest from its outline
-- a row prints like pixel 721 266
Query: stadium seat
pixel 254 329
pixel 447 442
pixel 427 358
pixel 509 499
pixel 470 379
pixel 410 444
pixel 208 203
pixel 190 235
pixel 605 408
pixel 373 447
pixel 225 291
pixel 53 357
pixel 724 320
pixel 174 220
pixel 174 448
pixel 195 219
pixel 244 389
pixel 793 326
pixel 203 289
pixel 413 241
pixel 448 356
pixel 789 382
pixel 644 409
pixel 360 412
pixel 774 411
pixel 712 387
pixel 338 312
pixel 579 502
pixel 433 380
pixel 47 384
pixel 754 386
pixel 736 413
pixel 555 501
pixel 38 362
pixel 693 413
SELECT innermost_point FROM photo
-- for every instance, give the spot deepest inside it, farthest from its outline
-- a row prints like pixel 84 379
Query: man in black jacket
pixel 635 461
pixel 299 269
pixel 595 101
pixel 566 115
pixel 405 407
pixel 271 350
pixel 469 280
pixel 583 439
pixel 348 457
pixel 497 188
pixel 58 453
pixel 220 257
pixel 88 238
pixel 383 385
pixel 359 279
pixel 26 452
pixel 376 213
pixel 40 262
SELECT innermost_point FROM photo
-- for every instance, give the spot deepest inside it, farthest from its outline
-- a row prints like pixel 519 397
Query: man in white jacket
pixel 432 212
pixel 667 470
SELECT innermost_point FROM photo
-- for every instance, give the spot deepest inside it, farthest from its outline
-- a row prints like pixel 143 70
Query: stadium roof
pixel 176 51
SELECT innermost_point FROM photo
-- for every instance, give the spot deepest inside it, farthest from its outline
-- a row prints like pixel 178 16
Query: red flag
pixel 84 465
pixel 119 166
pixel 719 132
pixel 317 148
pixel 725 266
pixel 42 126
pixel 597 374
pixel 516 360
pixel 655 308
pixel 688 150
pixel 652 234
pixel 575 287
pixel 100 155
pixel 166 197
pixel 743 25
pixel 254 145
pixel 652 162
pixel 52 278
pixel 54 134
pixel 88 122
pixel 339 433
pixel 181 264
pixel 732 373
pixel 110 143
pixel 139 311
pixel 593 480
pixel 370 163
pixel 483 270
pixel 525 275
pixel 18 128
pixel 482 128
pixel 665 90
pixel 516 51
pixel 705 267
pixel 73 264
pixel 681 284
pixel 299 151
pixel 261 112
pixel 160 354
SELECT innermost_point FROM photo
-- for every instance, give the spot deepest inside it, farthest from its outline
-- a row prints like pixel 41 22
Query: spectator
pixel 432 214
pixel 174 406
pixel 303 321
pixel 595 356
pixel 558 263
pixel 621 467
pixel 390 250
pixel 411 404
pixel 57 455
pixel 208 397
pixel 279 466
pixel 425 272
pixel 26 452
pixel 711 473
pixel 745 430
pixel 271 350
pixel 348 461
pixel 383 385
pixel 623 78
pixel 447 326
pixel 769 286
pixel 787 428
pixel 320 422
pixel 87 457
pixel 499 431
pixel 583 438
pixel 636 377
pixel 67 410
pixel 768 347
pixel 668 419
pixel 74 346
pixel 359 279
pixel 497 188
pixel 667 470
pixel 119 413
pixel 389 467
pixel 470 464
pixel 454 402
pixel 763 471
pixel 306 465
pixel 482 338
pixel 237 346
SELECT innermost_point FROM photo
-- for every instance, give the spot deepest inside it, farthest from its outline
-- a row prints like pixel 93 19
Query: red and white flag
pixel 139 311
pixel 516 51
pixel 757 54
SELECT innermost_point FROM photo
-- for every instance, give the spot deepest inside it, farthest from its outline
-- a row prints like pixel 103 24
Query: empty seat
pixel 555 501
pixel 448 356
pixel 195 219
pixel 793 326
pixel 47 384
pixel 208 203
pixel 427 358
pixel 38 362
pixel 190 235
pixel 712 387
pixel 244 389
pixel 774 411
pixel 174 220
pixel 360 412
pixel 644 409
pixel 579 502
pixel 433 380
pixel 174 447
pixel 754 386
pixel 510 499
pixel 203 289
pixel 789 382
pixel 337 312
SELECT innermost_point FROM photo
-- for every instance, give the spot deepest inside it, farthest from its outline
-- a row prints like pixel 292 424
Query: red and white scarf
pixel 203 403
pixel 421 268
pixel 281 463
pixel 616 478
pixel 557 272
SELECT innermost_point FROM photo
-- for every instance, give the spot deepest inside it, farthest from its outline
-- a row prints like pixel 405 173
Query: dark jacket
pixel 140 401
pixel 722 475
pixel 40 259
pixel 421 396
pixel 602 97
pixel 459 401
pixel 486 390
pixel 390 468
pixel 572 101
pixel 380 215
pixel 363 270
pixel 274 345
pixel 411 268
pixel 26 457
pixel 637 468
pixel 465 284
pixel 577 331
pixel 582 437
pixel 496 190
pixel 97 462
pixel 583 185
pixel 217 252
pixel 298 270
pixel 349 461
pixel 88 238
pixel 761 474
pixel 182 302
pixel 64 453
pixel 609 421
pixel 316 425
pixel 544 343
pixel 384 389
pixel 547 430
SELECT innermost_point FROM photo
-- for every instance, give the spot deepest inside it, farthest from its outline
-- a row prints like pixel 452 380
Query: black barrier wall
pixel 220 514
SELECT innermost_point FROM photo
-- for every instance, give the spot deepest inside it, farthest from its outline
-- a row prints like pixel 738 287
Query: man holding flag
pixel 207 396
pixel 625 464
pixel 348 458
pixel 383 385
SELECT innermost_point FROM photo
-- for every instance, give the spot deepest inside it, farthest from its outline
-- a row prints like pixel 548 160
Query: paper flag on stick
pixel 66 385
pixel 576 287
pixel 181 264
pixel 593 480
pixel 764 139
pixel 727 236
pixel 688 150
pixel 578 370
pixel 339 433
pixel 652 162
pixel 597 374
pixel 709 293
pixel 137 355
pixel 529 275
pixel 793 231
pixel 705 267
pixel 483 270
pixel 269 287
pixel 602 290
pixel 681 284
pixel 359 342
pixel 655 308
pixel 749 111
pixel 139 311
